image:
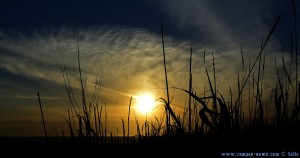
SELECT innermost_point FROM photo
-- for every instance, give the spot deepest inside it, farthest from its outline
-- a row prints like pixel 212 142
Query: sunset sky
pixel 121 41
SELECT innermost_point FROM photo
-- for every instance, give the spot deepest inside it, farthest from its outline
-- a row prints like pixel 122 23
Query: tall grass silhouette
pixel 208 115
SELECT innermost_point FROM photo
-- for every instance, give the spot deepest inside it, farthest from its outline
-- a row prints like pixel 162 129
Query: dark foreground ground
pixel 192 146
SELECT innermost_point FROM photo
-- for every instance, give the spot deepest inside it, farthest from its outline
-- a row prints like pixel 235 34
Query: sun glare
pixel 145 103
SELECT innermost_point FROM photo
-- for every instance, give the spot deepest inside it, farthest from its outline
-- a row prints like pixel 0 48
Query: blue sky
pixel 121 40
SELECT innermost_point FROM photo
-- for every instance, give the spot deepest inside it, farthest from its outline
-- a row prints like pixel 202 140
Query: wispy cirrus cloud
pixel 224 23
pixel 125 49
pixel 226 26
pixel 130 59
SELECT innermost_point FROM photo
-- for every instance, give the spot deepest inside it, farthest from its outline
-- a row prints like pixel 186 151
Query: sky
pixel 121 42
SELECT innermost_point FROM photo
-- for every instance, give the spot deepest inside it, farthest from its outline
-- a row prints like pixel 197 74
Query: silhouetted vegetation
pixel 210 118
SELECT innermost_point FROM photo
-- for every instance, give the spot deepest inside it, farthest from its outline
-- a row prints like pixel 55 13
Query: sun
pixel 145 103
